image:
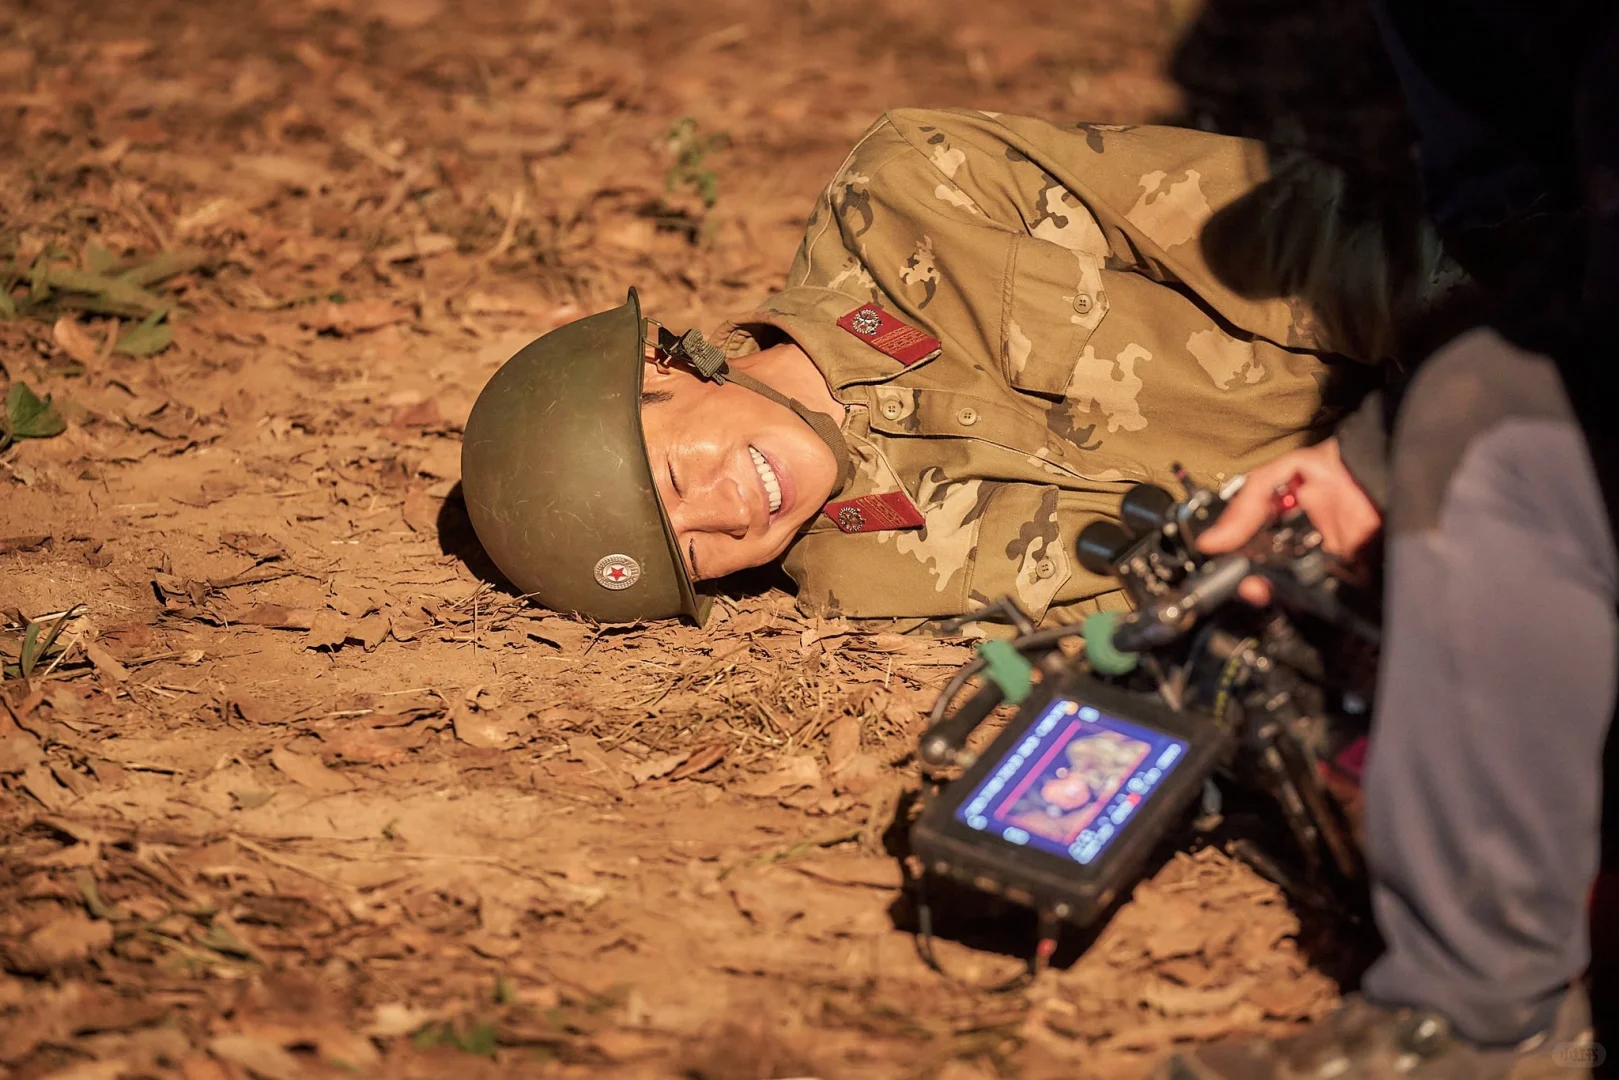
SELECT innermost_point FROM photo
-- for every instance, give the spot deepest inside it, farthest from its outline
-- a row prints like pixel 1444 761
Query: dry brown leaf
pixel 407 627
pixel 421 246
pixel 309 772
pixel 256 711
pixel 372 746
pixel 351 1051
pixel 656 767
pixel 1191 971
pixel 489 729
pixel 18 753
pixel 396 1018
pixel 358 316
pixel 421 512
pixel 701 760
pixel 442 460
pixel 798 771
pixel 770 902
pixel 421 414
pixel 256 545
pixel 751 622
pixel 1296 998
pixel 370 631
pixel 843 742
pixel 859 774
pixel 328 630
pixel 41 783
pixel 493 143
pixel 299 174
pixel 1180 931
pixel 261 1057
pixel 566 634
pixel 105 662
pixel 588 750
pixel 69 938
pixel 74 340
pixel 1172 999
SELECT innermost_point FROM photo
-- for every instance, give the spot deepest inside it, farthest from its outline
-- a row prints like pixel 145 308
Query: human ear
pixel 659 373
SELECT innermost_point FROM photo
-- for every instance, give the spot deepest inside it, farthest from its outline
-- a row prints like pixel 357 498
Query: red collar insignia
pixel 888 335
pixel 874 513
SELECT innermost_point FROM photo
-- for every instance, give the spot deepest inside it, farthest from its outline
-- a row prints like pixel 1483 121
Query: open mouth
pixel 767 477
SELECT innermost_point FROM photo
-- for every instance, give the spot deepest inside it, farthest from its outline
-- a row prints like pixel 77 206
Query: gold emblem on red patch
pixel 890 336
pixel 875 513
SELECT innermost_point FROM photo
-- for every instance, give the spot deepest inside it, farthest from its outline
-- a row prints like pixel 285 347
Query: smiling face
pixel 1067 792
pixel 738 474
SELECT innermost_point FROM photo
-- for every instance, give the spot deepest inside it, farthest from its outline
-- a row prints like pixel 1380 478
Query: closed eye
pixel 673 482
pixel 691 558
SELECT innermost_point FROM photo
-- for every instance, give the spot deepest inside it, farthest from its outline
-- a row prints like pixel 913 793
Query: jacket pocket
pixel 1053 301
pixel 1021 551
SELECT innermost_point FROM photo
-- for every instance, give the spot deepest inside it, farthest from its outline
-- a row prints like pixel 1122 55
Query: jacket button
pixel 967 417
pixel 1044 569
pixel 1082 304
pixel 892 409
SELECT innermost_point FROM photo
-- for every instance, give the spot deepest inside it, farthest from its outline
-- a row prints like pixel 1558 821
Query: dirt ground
pixel 299 791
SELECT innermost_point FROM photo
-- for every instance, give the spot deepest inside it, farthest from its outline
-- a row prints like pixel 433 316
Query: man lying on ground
pixel 992 329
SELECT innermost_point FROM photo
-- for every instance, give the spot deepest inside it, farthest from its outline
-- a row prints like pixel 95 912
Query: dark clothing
pixel 1484 785
pixel 1484 789
pixel 1490 85
pixel 1517 106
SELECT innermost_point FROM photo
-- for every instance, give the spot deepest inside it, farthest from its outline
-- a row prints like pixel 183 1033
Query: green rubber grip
pixel 1008 669
pixel 1100 653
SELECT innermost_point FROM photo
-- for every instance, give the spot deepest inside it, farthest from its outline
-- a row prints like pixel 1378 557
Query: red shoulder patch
pixel 874 513
pixel 894 339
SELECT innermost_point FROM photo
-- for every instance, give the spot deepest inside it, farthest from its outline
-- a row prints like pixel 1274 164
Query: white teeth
pixel 767 476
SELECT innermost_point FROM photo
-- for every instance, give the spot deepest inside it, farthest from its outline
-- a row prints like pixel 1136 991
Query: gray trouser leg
pixel 1483 787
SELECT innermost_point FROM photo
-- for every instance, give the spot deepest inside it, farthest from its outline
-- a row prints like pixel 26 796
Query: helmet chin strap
pixel 709 363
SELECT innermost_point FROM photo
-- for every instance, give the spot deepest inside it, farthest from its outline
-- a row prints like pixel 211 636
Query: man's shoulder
pixel 923 128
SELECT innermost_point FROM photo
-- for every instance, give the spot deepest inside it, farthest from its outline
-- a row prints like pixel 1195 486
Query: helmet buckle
pixel 693 350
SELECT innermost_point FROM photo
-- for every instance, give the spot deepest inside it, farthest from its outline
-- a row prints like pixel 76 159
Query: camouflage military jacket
pixel 1083 345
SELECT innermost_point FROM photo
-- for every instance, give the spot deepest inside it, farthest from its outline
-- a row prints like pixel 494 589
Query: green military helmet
pixel 556 478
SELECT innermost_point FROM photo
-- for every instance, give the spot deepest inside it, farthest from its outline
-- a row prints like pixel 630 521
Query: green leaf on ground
pixel 479 1039
pixel 688 148
pixel 28 416
pixel 39 640
pixel 98 259
pixel 150 336
pixel 221 940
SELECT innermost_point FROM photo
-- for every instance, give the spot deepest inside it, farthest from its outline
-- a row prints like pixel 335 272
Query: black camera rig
pixel 1113 744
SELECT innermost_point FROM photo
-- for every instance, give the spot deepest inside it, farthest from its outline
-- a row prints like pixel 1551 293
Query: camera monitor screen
pixel 1070 785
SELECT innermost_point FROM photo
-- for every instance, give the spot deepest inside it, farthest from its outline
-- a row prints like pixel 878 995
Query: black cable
pixel 924 949
pixel 1043 640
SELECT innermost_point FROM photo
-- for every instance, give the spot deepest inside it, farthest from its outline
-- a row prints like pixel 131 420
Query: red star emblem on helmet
pixel 617 571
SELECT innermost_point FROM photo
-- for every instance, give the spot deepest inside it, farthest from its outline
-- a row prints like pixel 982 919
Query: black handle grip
pixel 1146 508
pixel 1100 546
pixel 942 741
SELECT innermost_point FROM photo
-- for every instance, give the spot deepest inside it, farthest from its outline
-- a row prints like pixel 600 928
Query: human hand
pixel 1337 506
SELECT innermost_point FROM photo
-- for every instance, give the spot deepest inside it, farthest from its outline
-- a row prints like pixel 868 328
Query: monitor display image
pixel 1072 782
